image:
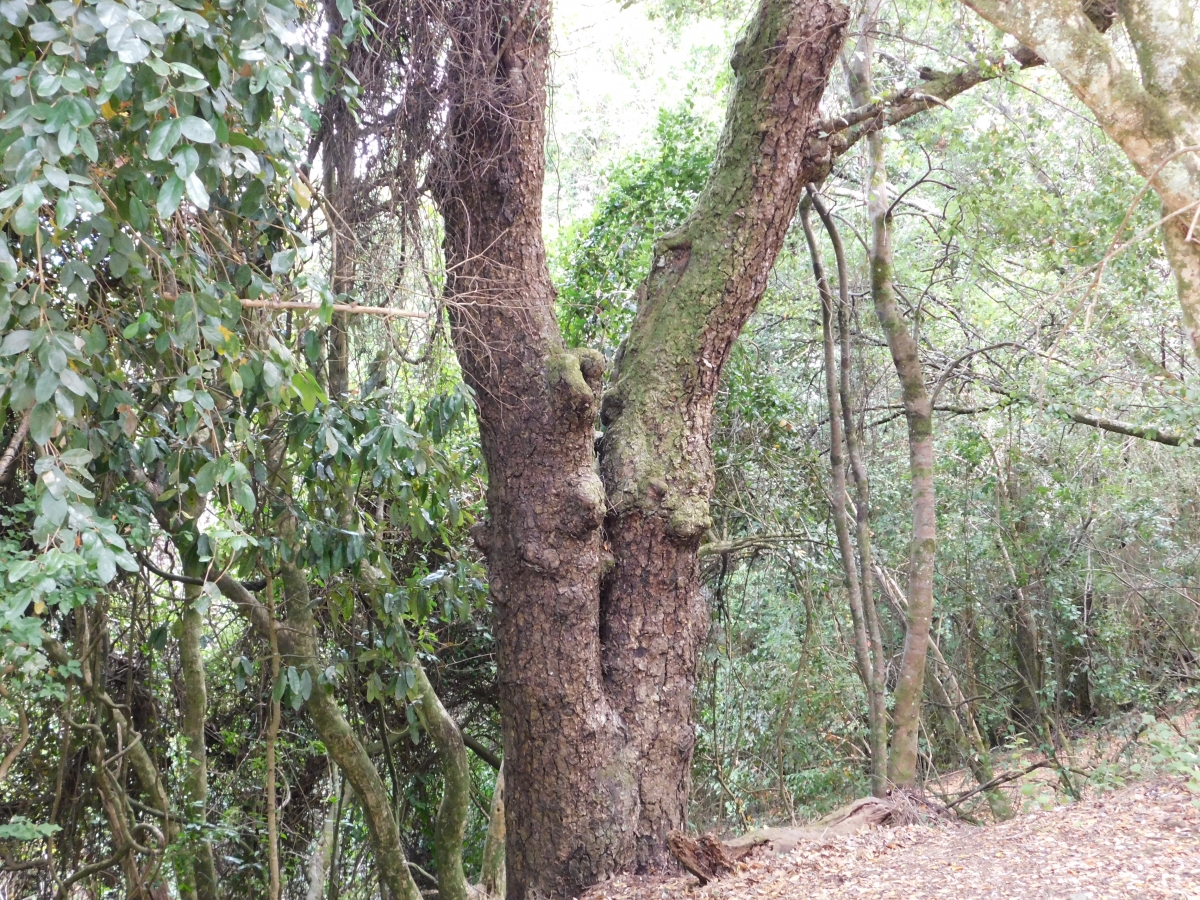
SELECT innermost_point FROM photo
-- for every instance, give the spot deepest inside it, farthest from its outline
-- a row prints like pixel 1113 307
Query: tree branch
pixel 14 445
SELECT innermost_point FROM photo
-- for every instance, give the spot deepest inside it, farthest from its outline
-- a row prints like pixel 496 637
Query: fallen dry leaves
pixel 1141 842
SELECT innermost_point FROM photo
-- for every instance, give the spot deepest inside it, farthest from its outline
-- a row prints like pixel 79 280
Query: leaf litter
pixel 1142 841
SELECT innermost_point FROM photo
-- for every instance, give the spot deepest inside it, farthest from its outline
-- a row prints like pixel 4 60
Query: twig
pixel 999 780
pixel 351 308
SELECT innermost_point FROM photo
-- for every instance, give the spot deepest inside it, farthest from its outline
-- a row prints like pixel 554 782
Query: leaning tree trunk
pixel 597 641
pixel 1152 114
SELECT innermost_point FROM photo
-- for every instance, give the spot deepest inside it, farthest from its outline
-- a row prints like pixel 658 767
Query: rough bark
pixel 596 677
pixel 1152 113
pixel 707 278
pixel 571 792
pixel 599 766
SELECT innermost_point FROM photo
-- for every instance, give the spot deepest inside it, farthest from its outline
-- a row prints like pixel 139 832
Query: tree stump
pixel 705 857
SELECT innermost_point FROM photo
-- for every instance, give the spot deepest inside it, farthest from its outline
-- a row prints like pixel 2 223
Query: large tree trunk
pixel 597 652
pixel 1152 114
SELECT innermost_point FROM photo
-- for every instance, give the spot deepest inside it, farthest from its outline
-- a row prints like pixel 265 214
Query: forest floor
pixel 1141 841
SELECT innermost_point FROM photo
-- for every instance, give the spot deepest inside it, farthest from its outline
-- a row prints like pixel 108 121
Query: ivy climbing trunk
pixel 593 574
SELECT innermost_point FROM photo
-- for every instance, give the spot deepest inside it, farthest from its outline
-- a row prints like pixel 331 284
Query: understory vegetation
pixel 251 596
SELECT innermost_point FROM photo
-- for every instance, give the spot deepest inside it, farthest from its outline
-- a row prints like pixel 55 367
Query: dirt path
pixel 1140 842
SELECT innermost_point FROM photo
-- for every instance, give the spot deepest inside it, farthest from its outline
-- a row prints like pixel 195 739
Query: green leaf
pixel 196 129
pixel 87 143
pixel 163 139
pixel 47 384
pixel 76 459
pixel 25 219
pixel 41 423
pixel 106 565
pixel 89 201
pixel 10 196
pixel 169 196
pixel 243 493
pixel 65 211
pixel 308 389
pixel 206 478
pixel 282 262
pixel 16 342
pixel 73 382
pixel 196 191
pixel 113 77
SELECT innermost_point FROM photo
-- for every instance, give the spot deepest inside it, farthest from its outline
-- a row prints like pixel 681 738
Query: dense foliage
pixel 166 309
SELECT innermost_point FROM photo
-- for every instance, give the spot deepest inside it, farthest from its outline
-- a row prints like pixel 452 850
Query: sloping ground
pixel 1141 842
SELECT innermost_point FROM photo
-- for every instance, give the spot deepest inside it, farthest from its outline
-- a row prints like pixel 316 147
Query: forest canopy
pixel 454 445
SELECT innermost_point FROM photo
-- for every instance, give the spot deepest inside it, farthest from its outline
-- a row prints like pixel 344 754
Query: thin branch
pixel 351 308
pixel 198 582
pixel 999 780
pixel 752 542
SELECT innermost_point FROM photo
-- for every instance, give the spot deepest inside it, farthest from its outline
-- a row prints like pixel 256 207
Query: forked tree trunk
pixel 598 629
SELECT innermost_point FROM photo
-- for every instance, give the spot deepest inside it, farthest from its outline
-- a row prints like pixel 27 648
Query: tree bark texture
pixel 491 876
pixel 321 863
pixel 1153 114
pixel 593 574
pixel 195 714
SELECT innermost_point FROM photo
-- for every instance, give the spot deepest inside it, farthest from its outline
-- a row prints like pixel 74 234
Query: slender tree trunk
pixel 450 828
pixel 195 714
pixel 321 863
pixel 906 716
pixel 273 884
pixel 862 514
pixel 491 876
pixel 298 647
pixel 851 571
